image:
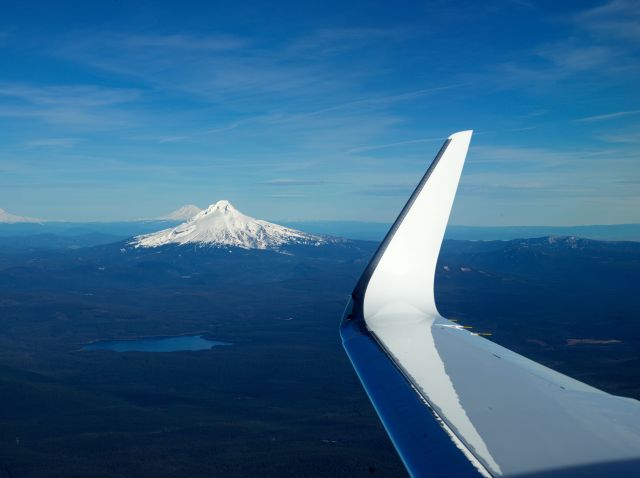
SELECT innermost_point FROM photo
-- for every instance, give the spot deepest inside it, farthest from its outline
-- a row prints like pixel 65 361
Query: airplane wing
pixel 454 403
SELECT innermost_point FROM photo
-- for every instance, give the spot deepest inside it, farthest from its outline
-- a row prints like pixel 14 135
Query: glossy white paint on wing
pixel 412 346
pixel 513 415
pixel 405 273
pixel 531 418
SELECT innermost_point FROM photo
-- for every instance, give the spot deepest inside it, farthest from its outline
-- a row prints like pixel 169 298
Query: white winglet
pixel 404 275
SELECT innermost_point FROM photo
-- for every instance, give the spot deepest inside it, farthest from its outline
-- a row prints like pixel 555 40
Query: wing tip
pixel 462 134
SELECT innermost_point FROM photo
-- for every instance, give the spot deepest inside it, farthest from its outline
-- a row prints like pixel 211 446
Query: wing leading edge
pixel 453 402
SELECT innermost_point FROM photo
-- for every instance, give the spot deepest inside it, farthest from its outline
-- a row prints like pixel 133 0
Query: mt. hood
pixel 222 225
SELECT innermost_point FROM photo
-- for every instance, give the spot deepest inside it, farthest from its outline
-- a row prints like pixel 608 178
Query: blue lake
pixel 156 344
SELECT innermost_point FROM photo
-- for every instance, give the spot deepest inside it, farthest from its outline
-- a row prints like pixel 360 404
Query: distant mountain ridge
pixel 222 225
pixel 375 231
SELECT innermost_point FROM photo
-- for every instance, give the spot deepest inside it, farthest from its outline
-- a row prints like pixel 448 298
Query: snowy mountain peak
pixel 222 206
pixel 222 225
pixel 182 214
pixel 12 218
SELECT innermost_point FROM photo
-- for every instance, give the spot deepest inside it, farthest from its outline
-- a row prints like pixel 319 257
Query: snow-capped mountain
pixel 222 225
pixel 182 214
pixel 6 217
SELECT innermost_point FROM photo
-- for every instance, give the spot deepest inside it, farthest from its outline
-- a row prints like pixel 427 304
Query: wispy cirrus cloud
pixel 290 182
pixel 212 67
pixel 344 122
pixel 387 190
pixel 296 109
pixel 68 95
pixel 376 102
pixel 568 58
pixel 598 41
pixel 79 105
pixel 287 196
pixel 363 149
pixel 607 116
pixel 290 82
pixel 226 67
pixel 180 42
pixel 621 137
pixel 517 161
pixel 53 142
pixel 614 19
pixel 334 41
pixel 556 62
pixel 172 139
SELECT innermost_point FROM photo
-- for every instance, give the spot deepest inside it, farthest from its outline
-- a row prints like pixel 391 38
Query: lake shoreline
pixel 155 344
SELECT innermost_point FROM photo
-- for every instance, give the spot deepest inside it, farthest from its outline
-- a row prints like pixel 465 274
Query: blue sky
pixel 320 110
